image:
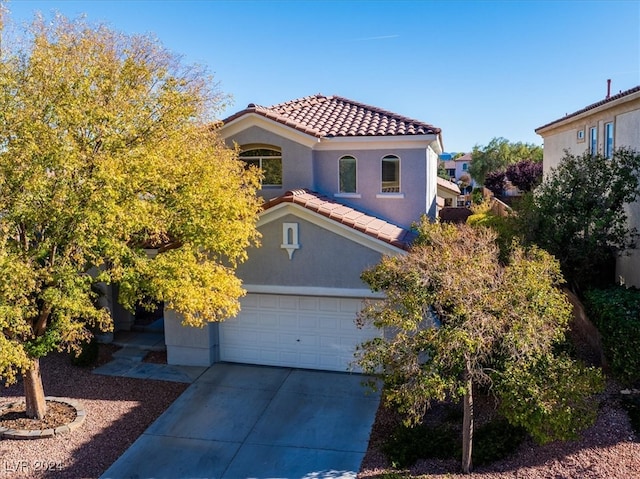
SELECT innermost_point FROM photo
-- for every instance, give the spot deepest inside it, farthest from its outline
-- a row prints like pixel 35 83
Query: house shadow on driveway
pixel 240 421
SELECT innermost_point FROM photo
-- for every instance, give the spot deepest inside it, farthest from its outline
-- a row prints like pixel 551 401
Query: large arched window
pixel 347 172
pixel 269 161
pixel 390 174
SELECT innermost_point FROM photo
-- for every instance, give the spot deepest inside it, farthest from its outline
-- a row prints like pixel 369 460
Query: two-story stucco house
pixel 343 182
pixel 600 128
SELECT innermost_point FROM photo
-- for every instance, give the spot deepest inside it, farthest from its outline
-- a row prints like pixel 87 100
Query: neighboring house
pixel 599 128
pixel 458 170
pixel 458 167
pixel 448 193
pixel 343 182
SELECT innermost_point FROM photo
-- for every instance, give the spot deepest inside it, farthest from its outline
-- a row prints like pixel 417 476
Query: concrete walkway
pixel 237 421
pixel 127 362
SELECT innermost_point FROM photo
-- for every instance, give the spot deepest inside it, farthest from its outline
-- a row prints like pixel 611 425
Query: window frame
pixel 341 190
pixel 261 159
pixel 593 140
pixel 397 174
pixel 609 140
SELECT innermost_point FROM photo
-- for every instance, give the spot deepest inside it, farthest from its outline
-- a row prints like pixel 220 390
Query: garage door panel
pixel 329 304
pixel 266 301
pixel 308 304
pixel 347 306
pixel 294 331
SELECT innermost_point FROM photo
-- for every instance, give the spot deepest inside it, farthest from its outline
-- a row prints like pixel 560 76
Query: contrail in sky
pixel 385 37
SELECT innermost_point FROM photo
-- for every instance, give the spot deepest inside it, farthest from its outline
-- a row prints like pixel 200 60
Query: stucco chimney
pixel 608 89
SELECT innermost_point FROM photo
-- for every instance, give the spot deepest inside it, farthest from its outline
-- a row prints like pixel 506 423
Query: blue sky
pixel 476 69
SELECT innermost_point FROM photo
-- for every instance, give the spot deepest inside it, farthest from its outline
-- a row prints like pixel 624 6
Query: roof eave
pixel 595 108
pixel 249 118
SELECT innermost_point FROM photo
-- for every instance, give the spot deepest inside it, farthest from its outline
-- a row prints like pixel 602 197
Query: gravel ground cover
pixel 118 411
pixel 607 450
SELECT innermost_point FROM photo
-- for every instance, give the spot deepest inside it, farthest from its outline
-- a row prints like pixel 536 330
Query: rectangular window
pixel 269 161
pixel 390 174
pixel 608 140
pixel 593 140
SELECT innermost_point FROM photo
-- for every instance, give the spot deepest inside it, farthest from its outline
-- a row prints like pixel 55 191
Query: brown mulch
pixel 15 416
pixel 118 410
pixel 609 449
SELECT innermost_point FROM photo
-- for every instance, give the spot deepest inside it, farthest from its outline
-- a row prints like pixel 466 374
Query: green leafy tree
pixel 106 150
pixel 442 171
pixel 499 154
pixel 455 318
pixel 578 214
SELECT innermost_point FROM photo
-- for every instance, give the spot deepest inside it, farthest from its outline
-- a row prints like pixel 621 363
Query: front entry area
pixel 310 332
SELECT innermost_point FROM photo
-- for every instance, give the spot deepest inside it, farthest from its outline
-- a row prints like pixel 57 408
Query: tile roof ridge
pixel 318 97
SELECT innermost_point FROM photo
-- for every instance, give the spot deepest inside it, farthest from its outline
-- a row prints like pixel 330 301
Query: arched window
pixel 269 161
pixel 390 174
pixel 347 172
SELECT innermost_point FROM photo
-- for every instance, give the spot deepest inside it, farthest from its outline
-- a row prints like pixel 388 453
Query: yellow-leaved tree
pixel 106 148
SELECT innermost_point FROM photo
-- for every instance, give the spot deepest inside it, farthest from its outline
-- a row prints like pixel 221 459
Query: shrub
pixel 525 175
pixel 88 354
pixel 496 181
pixel 496 440
pixel 503 226
pixel 477 196
pixel 550 397
pixel 408 444
pixel 632 405
pixel 616 313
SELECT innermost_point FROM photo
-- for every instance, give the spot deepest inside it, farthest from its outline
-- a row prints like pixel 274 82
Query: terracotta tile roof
pixel 465 157
pixel 334 116
pixel 622 94
pixel 370 225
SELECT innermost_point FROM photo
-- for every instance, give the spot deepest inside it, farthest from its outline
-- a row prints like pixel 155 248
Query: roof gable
pixel 334 117
pixel 346 216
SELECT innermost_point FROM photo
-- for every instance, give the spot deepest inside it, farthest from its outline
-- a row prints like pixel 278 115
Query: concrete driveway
pixel 237 421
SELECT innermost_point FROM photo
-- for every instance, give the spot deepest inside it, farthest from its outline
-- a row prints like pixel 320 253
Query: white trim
pixel 347 195
pixel 253 119
pixel 312 291
pixel 358 237
pixel 408 142
pixel 292 245
pixel 390 196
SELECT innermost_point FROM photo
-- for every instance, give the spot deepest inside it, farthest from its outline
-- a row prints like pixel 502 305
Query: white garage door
pixel 295 331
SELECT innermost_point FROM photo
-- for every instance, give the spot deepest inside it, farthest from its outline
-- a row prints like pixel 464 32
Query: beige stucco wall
pixel 563 135
pixel 624 113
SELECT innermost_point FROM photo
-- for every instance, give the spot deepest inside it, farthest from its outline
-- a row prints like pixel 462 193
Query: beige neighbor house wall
pixel 621 110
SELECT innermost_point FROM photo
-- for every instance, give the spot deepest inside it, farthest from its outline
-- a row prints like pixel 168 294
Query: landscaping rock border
pixel 42 433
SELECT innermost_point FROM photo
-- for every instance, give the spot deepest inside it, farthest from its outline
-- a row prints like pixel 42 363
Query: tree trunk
pixel 467 425
pixel 36 405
